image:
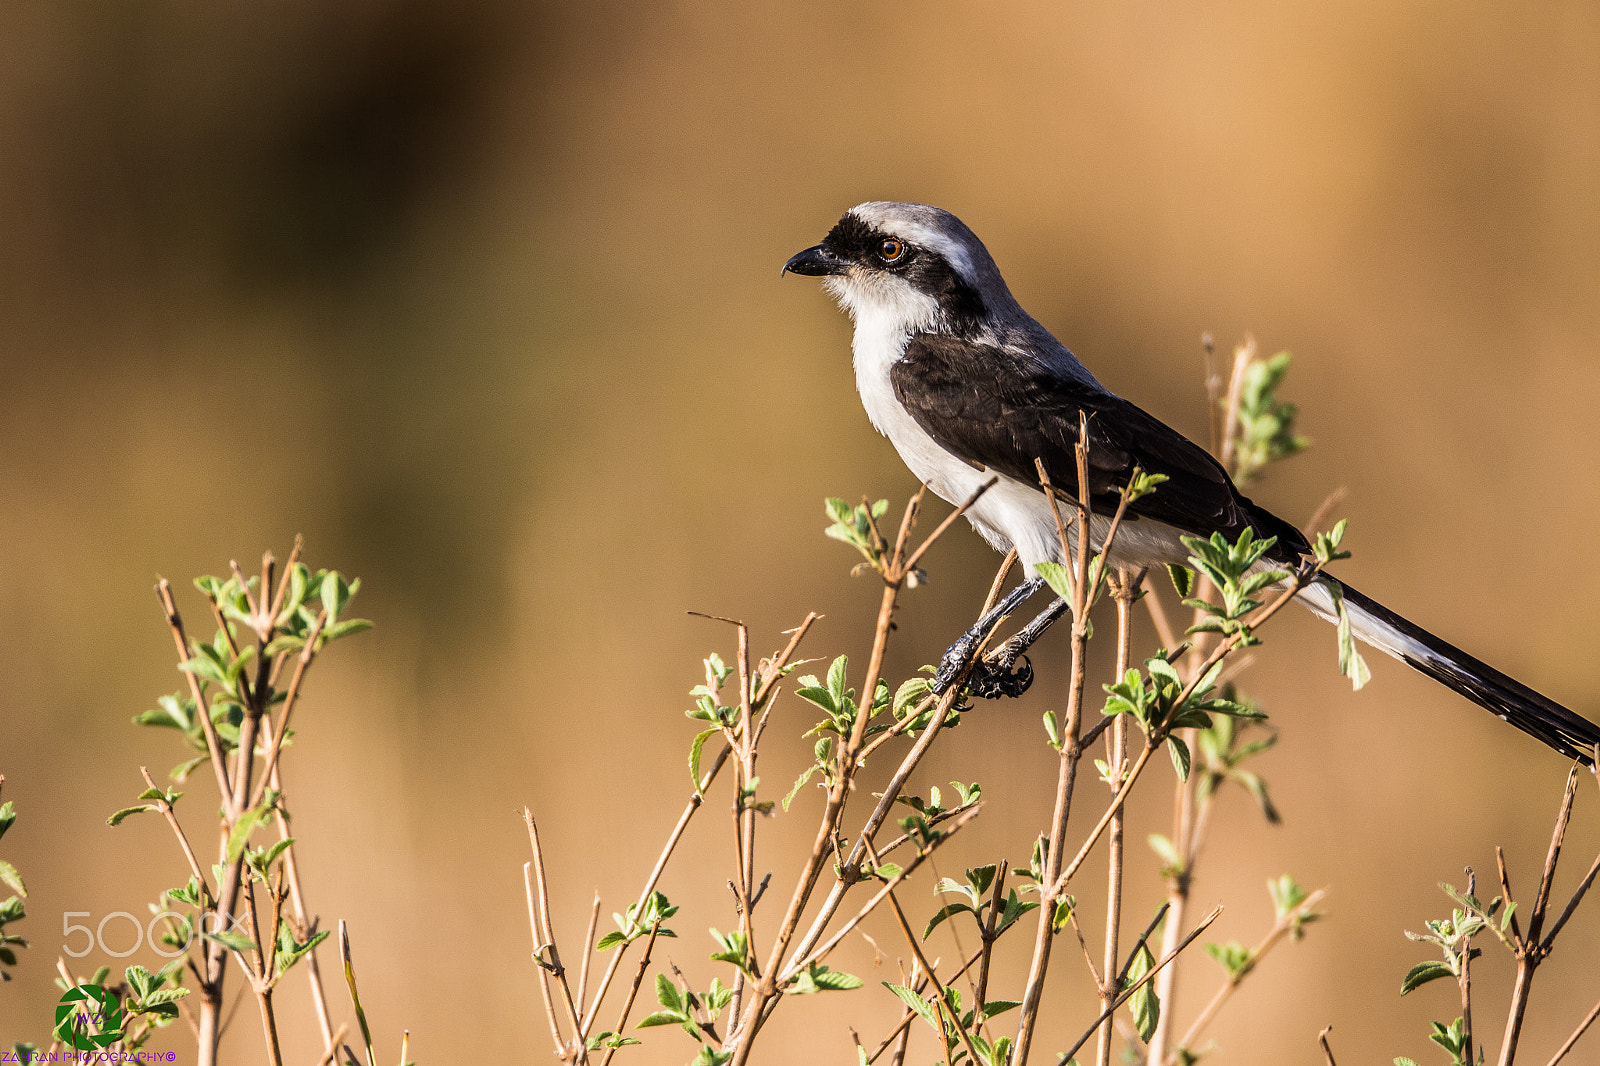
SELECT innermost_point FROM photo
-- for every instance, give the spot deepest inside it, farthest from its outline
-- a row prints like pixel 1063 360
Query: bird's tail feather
pixel 1372 623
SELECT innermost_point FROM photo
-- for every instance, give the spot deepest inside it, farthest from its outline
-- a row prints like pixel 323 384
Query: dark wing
pixel 981 404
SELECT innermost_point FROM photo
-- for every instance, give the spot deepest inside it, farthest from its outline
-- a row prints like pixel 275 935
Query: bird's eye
pixel 891 250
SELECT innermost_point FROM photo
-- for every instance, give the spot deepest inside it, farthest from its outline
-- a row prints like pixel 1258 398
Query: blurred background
pixel 484 300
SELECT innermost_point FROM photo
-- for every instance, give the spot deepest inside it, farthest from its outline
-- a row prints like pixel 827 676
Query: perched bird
pixel 968 387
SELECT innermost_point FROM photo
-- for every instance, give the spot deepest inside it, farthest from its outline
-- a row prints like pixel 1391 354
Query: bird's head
pixel 919 264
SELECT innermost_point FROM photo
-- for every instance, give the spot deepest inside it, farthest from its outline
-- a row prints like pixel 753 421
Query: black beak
pixel 816 262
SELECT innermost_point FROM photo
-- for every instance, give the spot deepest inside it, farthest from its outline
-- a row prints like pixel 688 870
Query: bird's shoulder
pixel 1032 401
pixel 1007 406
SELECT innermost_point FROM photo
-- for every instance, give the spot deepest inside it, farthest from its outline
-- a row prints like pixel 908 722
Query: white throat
pixel 886 311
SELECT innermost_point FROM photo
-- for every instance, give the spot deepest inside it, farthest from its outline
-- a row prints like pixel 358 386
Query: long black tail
pixel 1371 622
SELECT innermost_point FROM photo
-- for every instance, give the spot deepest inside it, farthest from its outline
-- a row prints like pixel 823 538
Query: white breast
pixel 1011 513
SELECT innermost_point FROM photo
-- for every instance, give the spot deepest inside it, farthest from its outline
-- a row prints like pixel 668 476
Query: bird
pixel 970 388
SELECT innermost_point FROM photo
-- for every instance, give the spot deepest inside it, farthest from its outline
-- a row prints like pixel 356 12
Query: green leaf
pixel 695 750
pixel 667 993
pixel 1233 957
pixel 181 772
pixel 1351 664
pixel 128 812
pixel 921 1007
pixel 909 694
pixel 999 1006
pixel 946 912
pixel 837 679
pixel 1422 973
pixel 236 941
pixel 189 893
pixel 1166 850
pixel 1143 1004
pixel 205 667
pixel 661 1017
pixel 248 822
pixel 710 1056
pixel 9 875
pixel 818 978
pixel 1182 580
pixel 1058 576
pixel 345 628
pixel 1286 894
pixel 735 949
pixel 333 595
pixel 1180 757
pixel 289 952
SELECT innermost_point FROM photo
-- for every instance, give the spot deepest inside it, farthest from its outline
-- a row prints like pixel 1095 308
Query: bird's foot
pixel 1000 676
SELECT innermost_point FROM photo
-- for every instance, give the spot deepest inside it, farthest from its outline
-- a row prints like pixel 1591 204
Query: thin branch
pixel 1144 939
pixel 880 813
pixel 303 664
pixel 1327 1052
pixel 633 988
pixel 1465 981
pixel 332 1052
pixel 908 1016
pixel 1071 747
pixel 999 582
pixel 547 931
pixel 772 674
pixel 1140 983
pixel 1583 1027
pixel 303 917
pixel 1116 759
pixel 1319 517
pixel 588 951
pixel 886 799
pixel 1530 950
pixel 832 942
pixel 938 986
pixel 544 977
pixel 1505 891
pixel 213 747
pixel 938 531
pixel 1572 905
pixel 1243 355
pixel 207 897
pixel 1153 742
pixel 980 994
pixel 1279 930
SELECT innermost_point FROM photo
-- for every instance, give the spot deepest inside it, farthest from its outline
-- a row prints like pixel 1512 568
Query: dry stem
pixel 1127 992
pixel 1279 930
pixel 546 932
pixel 895 569
pixel 1071 746
pixel 1116 756
pixel 1531 950
pixel 1583 1027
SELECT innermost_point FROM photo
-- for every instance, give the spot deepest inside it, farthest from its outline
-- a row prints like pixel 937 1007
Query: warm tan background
pixel 485 301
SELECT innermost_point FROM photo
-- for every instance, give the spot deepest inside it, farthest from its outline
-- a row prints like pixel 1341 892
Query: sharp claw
pixel 992 679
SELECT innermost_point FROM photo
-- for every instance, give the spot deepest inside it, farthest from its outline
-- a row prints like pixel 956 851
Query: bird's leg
pixel 993 677
pixel 961 652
